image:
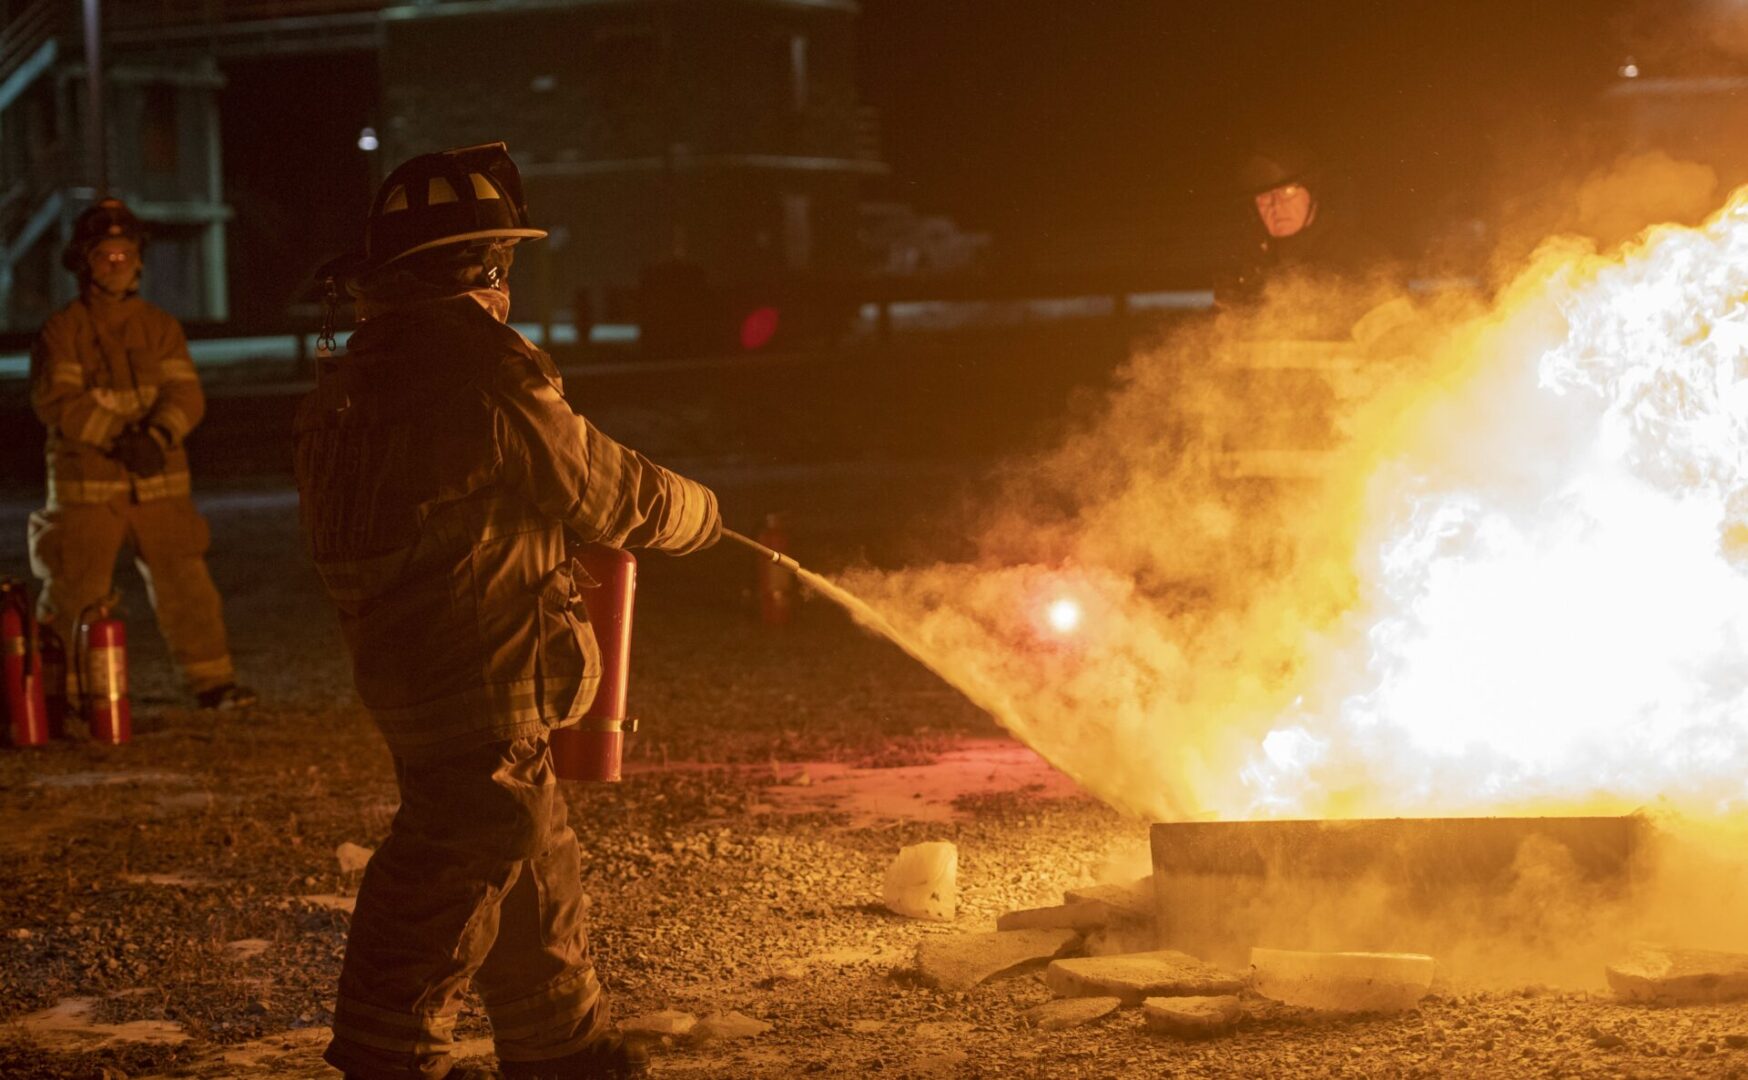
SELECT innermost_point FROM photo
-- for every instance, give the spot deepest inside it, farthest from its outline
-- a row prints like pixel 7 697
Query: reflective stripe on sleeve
pixel 100 426
pixel 172 419
pixel 176 369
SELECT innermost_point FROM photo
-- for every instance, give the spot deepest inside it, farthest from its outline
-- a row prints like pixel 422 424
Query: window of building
pixel 623 59
pixel 798 88
pixel 797 231
pixel 160 135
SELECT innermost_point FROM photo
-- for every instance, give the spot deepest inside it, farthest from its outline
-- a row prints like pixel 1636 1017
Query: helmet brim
pixel 463 238
pixel 355 264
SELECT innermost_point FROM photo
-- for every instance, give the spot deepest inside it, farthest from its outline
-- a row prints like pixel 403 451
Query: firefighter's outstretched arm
pixel 604 493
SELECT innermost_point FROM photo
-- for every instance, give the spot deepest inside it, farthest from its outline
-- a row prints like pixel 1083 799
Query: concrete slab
pixel 1193 1017
pixel 1426 885
pixel 1134 977
pixel 1656 973
pixel 961 961
pixel 1348 982
pixel 1080 916
pixel 1064 1013
pixel 1130 900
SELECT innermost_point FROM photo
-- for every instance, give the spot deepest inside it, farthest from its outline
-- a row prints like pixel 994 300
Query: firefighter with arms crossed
pixel 111 377
pixel 441 474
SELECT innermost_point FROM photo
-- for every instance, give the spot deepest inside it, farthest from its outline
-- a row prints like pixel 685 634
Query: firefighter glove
pixel 139 451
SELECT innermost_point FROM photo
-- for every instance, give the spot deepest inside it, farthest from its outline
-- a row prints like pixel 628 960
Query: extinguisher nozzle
pixel 773 556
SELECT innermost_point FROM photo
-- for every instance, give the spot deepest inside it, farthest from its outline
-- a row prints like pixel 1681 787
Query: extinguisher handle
pixel 772 556
pixel 13 594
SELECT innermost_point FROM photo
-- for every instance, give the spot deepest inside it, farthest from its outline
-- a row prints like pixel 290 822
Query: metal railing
pixel 160 13
pixel 25 33
pixel 28 188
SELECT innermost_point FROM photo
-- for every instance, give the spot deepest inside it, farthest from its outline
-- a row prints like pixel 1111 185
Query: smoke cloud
pixel 1479 555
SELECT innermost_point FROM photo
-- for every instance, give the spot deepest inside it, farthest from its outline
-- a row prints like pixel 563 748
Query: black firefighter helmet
pixel 1276 163
pixel 103 220
pixel 449 197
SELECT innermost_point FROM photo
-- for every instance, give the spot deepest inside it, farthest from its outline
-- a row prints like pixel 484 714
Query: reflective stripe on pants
pixel 73 548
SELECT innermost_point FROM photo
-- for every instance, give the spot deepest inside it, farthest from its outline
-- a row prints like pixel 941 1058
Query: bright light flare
pixel 1063 615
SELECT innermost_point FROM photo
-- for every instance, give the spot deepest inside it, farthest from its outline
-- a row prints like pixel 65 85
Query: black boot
pixel 608 1058
pixel 226 698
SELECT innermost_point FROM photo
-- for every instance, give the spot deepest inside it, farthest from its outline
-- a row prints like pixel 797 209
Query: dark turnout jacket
pixel 439 471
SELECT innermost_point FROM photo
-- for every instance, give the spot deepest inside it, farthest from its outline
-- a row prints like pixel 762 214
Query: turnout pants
pixel 73 547
pixel 479 880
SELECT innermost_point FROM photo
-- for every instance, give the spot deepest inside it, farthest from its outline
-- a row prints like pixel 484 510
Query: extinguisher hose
pixel 764 552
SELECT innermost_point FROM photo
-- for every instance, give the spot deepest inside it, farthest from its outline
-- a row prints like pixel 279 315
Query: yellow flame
pixel 1551 616
pixel 1524 588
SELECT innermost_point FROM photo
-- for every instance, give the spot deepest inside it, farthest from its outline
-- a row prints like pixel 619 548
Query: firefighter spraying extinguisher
pixel 102 668
pixel 591 749
pixel 776 582
pixel 26 708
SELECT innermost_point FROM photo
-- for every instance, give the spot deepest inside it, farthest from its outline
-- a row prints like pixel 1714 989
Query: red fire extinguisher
pixel 102 668
pixel 54 678
pixel 26 711
pixel 591 748
pixel 776 582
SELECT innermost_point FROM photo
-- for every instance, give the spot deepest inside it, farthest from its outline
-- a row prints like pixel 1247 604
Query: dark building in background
pixel 711 141
pixel 163 157
pixel 721 137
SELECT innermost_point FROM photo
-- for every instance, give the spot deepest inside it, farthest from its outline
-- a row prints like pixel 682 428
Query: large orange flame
pixel 1552 616
pixel 1522 588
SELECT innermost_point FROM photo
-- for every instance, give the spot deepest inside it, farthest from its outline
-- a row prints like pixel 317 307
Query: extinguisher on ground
pixel 591 749
pixel 54 678
pixel 776 583
pixel 27 722
pixel 101 664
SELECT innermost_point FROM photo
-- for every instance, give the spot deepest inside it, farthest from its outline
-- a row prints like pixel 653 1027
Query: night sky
pixel 1105 130
pixel 1044 121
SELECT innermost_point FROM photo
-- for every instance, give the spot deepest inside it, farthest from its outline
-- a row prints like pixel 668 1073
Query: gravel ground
pixel 187 886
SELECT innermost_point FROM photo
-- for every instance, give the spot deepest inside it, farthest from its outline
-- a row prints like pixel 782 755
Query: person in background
pixel 111 378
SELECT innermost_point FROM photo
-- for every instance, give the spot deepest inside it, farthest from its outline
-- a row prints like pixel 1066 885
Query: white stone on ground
pixel 1346 982
pixel 1658 973
pixel 1134 977
pixel 353 857
pixel 729 1025
pixel 1083 915
pixel 331 901
pixel 1193 1017
pixel 923 882
pixel 961 961
pixel 1062 1013
pixel 655 1025
pixel 246 948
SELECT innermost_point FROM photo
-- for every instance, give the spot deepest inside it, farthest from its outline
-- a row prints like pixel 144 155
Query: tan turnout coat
pixel 97 366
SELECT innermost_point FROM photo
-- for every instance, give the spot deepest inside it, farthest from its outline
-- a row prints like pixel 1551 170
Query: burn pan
pixel 1445 886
